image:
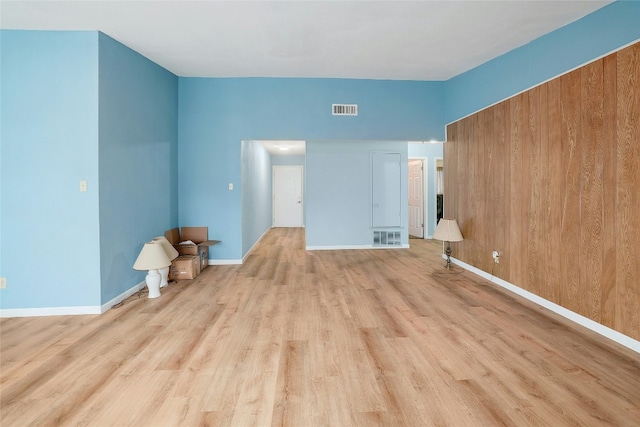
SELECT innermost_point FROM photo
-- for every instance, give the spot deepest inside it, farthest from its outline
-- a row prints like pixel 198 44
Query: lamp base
pixel 152 280
pixel 448 264
pixel 164 274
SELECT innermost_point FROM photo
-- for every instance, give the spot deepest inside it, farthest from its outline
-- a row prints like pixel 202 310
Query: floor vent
pixel 386 238
pixel 344 109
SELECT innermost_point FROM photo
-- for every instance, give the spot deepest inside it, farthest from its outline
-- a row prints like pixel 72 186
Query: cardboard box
pixel 200 239
pixel 184 267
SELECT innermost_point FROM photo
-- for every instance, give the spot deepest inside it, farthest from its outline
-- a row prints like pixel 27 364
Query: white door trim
pixel 425 193
pixel 416 224
pixel 435 187
pixel 299 222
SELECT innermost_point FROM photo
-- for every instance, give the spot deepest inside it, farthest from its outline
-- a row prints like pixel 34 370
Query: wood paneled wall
pixel 551 179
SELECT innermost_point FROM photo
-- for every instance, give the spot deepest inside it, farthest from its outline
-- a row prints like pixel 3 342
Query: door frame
pixel 273 192
pixel 435 187
pixel 422 199
pixel 425 192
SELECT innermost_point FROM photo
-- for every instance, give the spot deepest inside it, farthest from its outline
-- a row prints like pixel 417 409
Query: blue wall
pixel 569 47
pixel 138 159
pixel 215 115
pixel 338 192
pixel 257 211
pixel 49 142
pixel 81 106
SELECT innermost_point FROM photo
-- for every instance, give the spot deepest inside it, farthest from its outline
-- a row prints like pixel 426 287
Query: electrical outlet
pixel 3 282
pixel 496 257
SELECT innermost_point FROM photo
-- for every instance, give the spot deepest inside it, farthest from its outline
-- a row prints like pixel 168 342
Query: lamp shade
pixel 152 257
pixel 448 231
pixel 171 252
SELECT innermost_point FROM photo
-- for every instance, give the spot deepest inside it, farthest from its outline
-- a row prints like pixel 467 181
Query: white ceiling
pixel 397 40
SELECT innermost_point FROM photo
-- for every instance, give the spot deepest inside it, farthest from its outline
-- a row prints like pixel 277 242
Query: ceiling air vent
pixel 344 109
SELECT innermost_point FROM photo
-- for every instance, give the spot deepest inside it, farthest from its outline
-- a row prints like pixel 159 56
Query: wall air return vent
pixel 386 238
pixel 344 109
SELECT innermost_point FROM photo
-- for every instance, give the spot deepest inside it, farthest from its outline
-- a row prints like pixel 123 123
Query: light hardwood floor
pixel 319 338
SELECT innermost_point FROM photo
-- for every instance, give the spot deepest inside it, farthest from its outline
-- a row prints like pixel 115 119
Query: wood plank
pixel 450 159
pixel 533 222
pixel 591 190
pixel 492 201
pixel 628 191
pixel 555 184
pixel 517 241
pixel 543 210
pixel 609 177
pixel 570 234
pixel 503 141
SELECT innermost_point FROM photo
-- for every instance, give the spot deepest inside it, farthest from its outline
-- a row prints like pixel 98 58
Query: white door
pixel 416 205
pixel 287 196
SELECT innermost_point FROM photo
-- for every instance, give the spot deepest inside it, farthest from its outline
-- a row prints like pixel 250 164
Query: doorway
pixel 416 198
pixel 287 196
pixel 439 189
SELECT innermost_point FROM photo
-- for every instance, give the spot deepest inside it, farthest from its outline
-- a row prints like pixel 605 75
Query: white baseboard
pixel 244 258
pixel 123 296
pixel 349 247
pixel 237 261
pixel 558 309
pixel 224 261
pixel 50 311
pixel 70 311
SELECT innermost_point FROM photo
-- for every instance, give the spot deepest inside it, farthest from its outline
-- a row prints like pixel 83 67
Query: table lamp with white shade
pixel 152 257
pixel 172 254
pixel 448 231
